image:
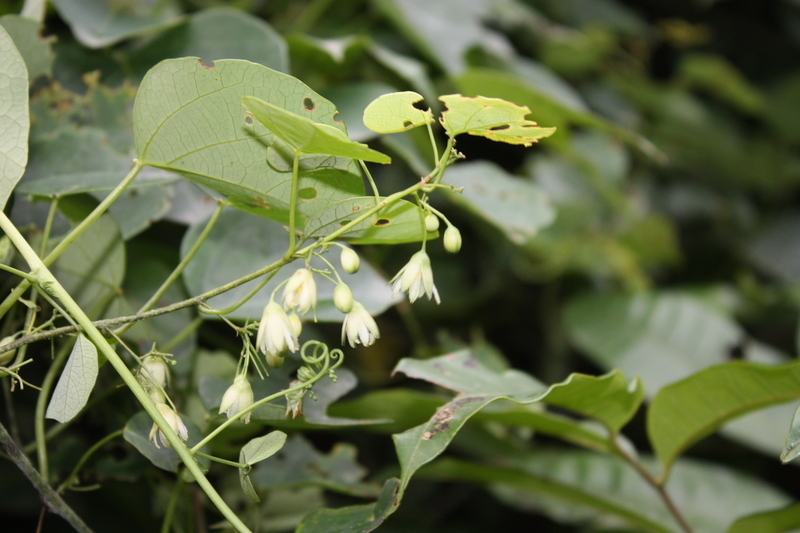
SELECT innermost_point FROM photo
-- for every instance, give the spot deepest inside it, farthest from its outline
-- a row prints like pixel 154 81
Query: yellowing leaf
pixel 306 136
pixel 395 112
pixel 492 118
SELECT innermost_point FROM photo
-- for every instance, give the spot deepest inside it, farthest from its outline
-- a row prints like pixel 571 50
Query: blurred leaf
pixel 76 382
pixel 99 23
pixel 361 518
pixel 515 206
pixel 137 433
pixel 261 448
pixel 298 463
pixel 782 105
pixel 493 118
pixel 396 223
pixel 579 53
pixel 394 112
pixel 580 487
pixel 715 75
pixel 351 99
pixel 405 408
pixel 302 135
pixel 34 49
pixel 682 413
pixel 180 99
pixel 137 208
pixel 229 253
pixel 775 250
pixel 408 68
pixel 14 119
pixel 783 520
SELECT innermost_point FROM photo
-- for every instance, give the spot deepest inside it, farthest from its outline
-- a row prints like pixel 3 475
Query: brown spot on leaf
pixel 444 415
pixel 209 67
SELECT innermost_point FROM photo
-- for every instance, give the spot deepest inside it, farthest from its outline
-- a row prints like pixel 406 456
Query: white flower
pixel 174 422
pixel 154 371
pixel 276 333
pixel 300 292
pixel 238 397
pixel 416 278
pixel 359 327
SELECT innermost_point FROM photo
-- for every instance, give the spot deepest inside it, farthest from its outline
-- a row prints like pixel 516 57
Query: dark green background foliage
pixel 657 233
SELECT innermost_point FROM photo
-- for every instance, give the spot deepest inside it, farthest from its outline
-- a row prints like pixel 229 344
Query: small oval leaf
pixel 395 112
pixel 76 382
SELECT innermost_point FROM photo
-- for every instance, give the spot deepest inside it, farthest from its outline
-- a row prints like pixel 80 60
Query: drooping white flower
pixel 238 397
pixel 300 292
pixel 359 327
pixel 276 333
pixel 174 422
pixel 416 278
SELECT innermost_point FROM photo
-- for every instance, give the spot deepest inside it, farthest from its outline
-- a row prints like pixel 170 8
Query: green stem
pixel 182 334
pixel 99 444
pixel 178 269
pixel 371 181
pixel 45 276
pixel 173 502
pixel 76 232
pixel 241 302
pixel 41 407
pixel 219 460
pixel 20 273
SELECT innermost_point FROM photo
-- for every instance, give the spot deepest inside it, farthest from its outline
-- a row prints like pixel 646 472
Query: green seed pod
pixel 350 260
pixel 452 239
pixel 343 298
pixel 431 222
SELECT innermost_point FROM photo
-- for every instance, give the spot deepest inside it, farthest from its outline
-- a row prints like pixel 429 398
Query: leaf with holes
pixel 308 137
pixel 14 119
pixel 188 118
pixel 76 382
pixel 396 223
pixel 492 118
pixel 395 112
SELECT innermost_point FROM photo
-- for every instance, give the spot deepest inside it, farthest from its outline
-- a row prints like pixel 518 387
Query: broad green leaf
pixel 33 48
pixel 684 412
pixel 412 70
pixel 241 243
pixel 394 112
pixel 305 136
pixel 515 206
pixel 189 118
pixel 717 76
pixel 137 433
pixel 99 23
pixel 137 208
pixel 76 382
pixel 492 118
pixel 608 399
pixel 579 487
pixel 781 521
pixel 92 268
pixel 261 448
pixel 14 119
pixel 397 223
pixel 91 182
pixel 299 464
pixel 361 518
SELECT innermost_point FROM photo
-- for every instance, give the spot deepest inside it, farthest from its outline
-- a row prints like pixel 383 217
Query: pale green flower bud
pixel 359 327
pixel 274 360
pixel 431 222
pixel 238 397
pixel 174 422
pixel 343 298
pixel 416 278
pixel 350 260
pixel 276 333
pixel 297 324
pixel 300 292
pixel 7 357
pixel 452 239
pixel 154 371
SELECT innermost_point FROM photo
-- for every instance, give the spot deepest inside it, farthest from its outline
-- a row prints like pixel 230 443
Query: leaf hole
pixel 309 104
pixel 501 127
pixel 248 120
pixel 382 222
pixel 344 222
pixel 309 193
pixel 210 66
pixel 407 124
pixel 336 118
pixel 420 105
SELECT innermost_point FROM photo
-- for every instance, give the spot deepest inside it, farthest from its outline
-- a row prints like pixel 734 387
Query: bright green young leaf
pixel 394 112
pixel 34 49
pixel 76 382
pixel 361 518
pixel 684 412
pixel 241 243
pixel 261 448
pixel 188 118
pixel 305 136
pixel 492 118
pixel 515 206
pixel 397 223
pixel 99 23
pixel 137 433
pixel 780 521
pixel 14 119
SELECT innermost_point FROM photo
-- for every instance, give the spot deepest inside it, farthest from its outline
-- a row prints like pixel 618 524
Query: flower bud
pixel 238 397
pixel 297 324
pixel 431 222
pixel 154 371
pixel 452 239
pixel 274 360
pixel 350 260
pixel 174 422
pixel 7 357
pixel 300 292
pixel 343 298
